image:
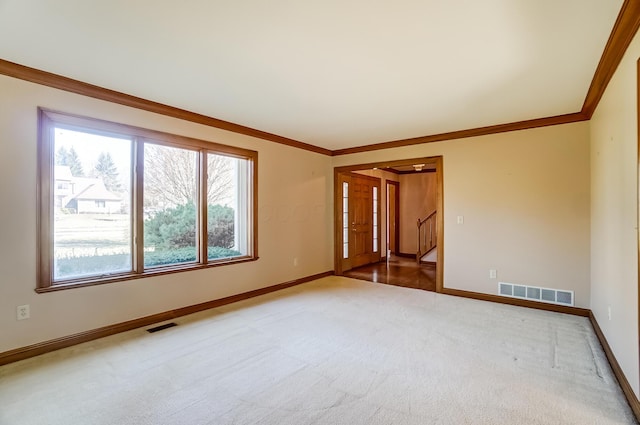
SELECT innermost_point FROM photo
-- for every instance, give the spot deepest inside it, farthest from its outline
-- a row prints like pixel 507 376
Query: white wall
pixel 524 196
pixel 295 221
pixel 614 214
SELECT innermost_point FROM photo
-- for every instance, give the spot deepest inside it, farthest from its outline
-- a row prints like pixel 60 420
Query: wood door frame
pixel 397 219
pixel 638 191
pixel 337 190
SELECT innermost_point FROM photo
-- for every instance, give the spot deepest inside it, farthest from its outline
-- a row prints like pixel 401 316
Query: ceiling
pixel 413 168
pixel 333 74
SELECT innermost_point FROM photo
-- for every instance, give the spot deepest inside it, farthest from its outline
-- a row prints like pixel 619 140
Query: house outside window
pixel 127 202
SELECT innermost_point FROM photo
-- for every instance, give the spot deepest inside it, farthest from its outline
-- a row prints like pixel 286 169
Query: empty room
pixel 319 212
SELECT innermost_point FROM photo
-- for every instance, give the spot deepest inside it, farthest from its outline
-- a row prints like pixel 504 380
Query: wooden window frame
pixel 48 119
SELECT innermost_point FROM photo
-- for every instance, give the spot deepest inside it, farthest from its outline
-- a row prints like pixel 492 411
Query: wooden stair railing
pixel 427 236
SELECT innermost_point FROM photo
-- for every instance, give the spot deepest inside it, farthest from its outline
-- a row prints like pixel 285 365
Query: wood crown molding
pixel 60 82
pixel 462 134
pixel 68 341
pixel 624 30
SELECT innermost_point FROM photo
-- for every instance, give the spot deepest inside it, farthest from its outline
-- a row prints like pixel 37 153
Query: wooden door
pixel 359 230
pixel 361 205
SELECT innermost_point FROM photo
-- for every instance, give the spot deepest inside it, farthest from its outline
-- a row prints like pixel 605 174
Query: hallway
pixel 398 271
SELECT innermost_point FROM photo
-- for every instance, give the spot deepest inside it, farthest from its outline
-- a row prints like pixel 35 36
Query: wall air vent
pixel 536 293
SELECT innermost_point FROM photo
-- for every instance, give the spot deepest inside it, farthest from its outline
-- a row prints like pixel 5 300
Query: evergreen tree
pixel 62 156
pixel 74 163
pixel 70 159
pixel 106 170
pixel 176 227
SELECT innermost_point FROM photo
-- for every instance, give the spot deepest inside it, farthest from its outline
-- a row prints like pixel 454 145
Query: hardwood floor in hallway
pixel 398 271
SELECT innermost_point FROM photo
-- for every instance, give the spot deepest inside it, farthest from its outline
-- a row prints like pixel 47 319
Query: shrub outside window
pixel 119 202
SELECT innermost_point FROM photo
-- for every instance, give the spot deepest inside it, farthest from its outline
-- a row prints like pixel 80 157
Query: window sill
pixel 148 273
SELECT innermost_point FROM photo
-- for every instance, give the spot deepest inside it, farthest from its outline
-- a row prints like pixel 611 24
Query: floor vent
pixel 161 327
pixel 535 293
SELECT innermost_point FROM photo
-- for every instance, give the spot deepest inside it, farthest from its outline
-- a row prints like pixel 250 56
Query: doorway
pixel 344 244
pixel 393 218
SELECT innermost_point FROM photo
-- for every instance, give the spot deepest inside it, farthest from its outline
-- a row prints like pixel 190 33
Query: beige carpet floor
pixel 333 351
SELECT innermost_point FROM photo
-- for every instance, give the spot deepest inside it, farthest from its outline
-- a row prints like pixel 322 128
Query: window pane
pixel 91 207
pixel 375 219
pixel 345 219
pixel 170 216
pixel 227 206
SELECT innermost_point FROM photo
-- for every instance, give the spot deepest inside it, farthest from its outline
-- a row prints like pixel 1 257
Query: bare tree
pixel 220 178
pixel 170 176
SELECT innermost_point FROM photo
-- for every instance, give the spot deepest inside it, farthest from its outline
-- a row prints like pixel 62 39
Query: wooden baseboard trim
pixel 633 401
pixel 405 255
pixel 67 341
pixel 577 311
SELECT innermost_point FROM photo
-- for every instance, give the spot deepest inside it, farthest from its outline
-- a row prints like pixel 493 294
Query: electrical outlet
pixel 460 219
pixel 609 312
pixel 493 274
pixel 295 262
pixel 23 312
